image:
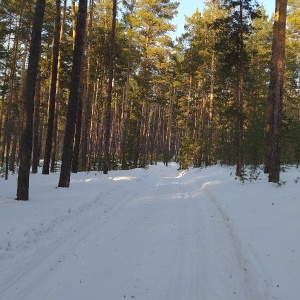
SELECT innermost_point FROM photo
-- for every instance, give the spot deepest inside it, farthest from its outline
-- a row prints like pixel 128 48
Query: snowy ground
pixel 155 234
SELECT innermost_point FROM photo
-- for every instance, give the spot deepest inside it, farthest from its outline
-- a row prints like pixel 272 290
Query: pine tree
pixel 235 27
pixel 290 145
pixel 257 75
pixel 53 84
pixel 150 27
pixel 275 101
pixel 65 174
pixel 109 90
pixel 26 141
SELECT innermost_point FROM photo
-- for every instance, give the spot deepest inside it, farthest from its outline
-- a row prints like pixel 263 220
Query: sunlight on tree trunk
pixel 275 101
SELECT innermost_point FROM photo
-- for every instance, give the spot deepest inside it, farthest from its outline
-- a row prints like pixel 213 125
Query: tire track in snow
pixel 45 256
pixel 248 286
pixel 207 251
pixel 185 275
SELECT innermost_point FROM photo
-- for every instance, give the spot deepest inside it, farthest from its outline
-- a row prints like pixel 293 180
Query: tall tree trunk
pixel 13 152
pixel 21 93
pixel 75 160
pixel 275 98
pixel 73 13
pixel 124 119
pixel 57 93
pixel 168 137
pixel 55 133
pixel 9 125
pixel 211 109
pixel 89 93
pixel 3 121
pixel 240 102
pixel 26 140
pixel 52 98
pixel 36 125
pixel 106 157
pixel 64 180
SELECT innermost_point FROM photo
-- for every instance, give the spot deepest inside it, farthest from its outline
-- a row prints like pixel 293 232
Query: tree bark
pixel 36 125
pixel 73 14
pixel 64 180
pixel 87 105
pixel 275 98
pixel 106 158
pixel 57 93
pixel 52 98
pixel 9 125
pixel 26 140
pixel 240 102
pixel 75 160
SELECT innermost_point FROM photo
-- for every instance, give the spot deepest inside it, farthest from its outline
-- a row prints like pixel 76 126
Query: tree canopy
pixel 199 99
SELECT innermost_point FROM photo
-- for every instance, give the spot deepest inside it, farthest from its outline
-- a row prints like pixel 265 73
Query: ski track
pixel 65 237
pixel 201 246
pixel 201 222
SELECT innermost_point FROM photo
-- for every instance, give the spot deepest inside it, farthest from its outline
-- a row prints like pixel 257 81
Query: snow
pixel 151 234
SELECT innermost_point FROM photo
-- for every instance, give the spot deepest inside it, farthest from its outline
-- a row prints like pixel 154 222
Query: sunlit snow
pixel 151 234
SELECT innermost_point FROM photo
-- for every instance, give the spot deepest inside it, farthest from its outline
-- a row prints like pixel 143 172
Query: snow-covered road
pixel 156 234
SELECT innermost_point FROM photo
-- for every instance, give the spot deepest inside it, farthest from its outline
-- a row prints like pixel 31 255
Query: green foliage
pixel 171 99
pixel 189 151
pixel 250 173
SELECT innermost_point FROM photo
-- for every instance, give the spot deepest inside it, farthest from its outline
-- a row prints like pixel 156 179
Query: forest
pixel 104 85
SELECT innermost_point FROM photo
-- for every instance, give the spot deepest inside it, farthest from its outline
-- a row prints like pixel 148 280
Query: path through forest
pixel 149 235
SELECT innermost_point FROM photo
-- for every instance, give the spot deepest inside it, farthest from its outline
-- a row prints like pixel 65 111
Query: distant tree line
pixel 101 85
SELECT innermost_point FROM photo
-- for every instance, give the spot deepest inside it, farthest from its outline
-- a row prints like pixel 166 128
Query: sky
pixel 188 7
